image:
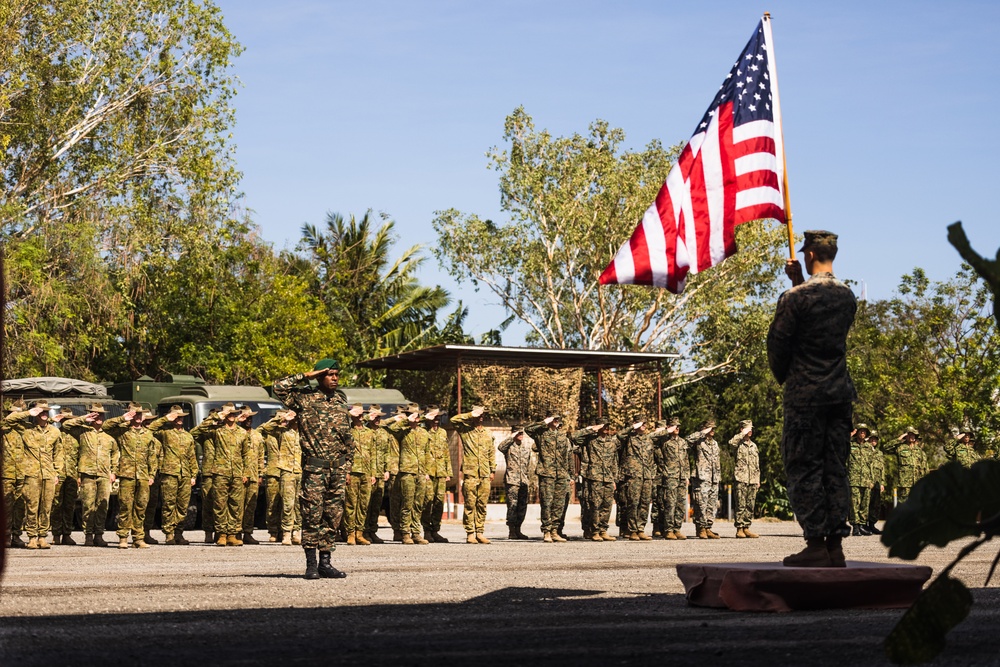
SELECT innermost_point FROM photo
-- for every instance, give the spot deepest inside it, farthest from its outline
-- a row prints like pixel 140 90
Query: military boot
pixel 179 538
pixel 712 534
pixel 470 538
pixel 558 537
pixel 149 539
pixel 123 543
pixel 669 535
pixel 326 570
pixel 679 535
pixel 512 534
pixel 68 540
pixel 417 539
pixel 746 531
pixel 88 541
pixel 740 534
pixel 835 548
pixel 273 538
pixel 596 537
pixel 140 544
pixel 16 542
pixel 814 555
pixel 397 536
pixel 221 542
pixel 606 537
pixel 57 540
pixel 702 534
pixel 248 538
pixel 209 537
pixel 359 537
pixel 438 538
pixel 233 541
pixel 296 537
pixel 286 540
pixel 863 529
pixel 407 539
pixel 351 538
pixel 634 537
pixel 168 538
pixel 481 538
pixel 547 537
pixel 312 567
pixel 374 538
pixel 873 529
pixel 32 543
pixel 99 540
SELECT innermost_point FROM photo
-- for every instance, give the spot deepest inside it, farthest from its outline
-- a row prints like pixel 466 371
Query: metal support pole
pixel 458 385
pixel 659 390
pixel 600 394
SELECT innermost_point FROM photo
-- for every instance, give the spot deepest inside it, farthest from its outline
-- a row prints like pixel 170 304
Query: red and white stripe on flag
pixel 730 172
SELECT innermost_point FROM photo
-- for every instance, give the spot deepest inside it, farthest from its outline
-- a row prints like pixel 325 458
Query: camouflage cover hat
pixel 674 421
pixel 863 427
pixel 412 408
pixel 874 434
pixel 746 423
pixel 708 423
pixel 911 431
pixel 228 407
pixel 41 404
pixel 660 423
pixel 818 237
pixel 96 407
pixel 327 364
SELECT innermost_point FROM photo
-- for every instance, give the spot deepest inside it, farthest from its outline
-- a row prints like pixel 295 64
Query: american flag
pixel 730 172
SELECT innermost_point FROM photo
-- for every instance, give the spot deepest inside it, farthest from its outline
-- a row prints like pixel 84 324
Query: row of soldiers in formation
pixel 149 460
pixel 866 469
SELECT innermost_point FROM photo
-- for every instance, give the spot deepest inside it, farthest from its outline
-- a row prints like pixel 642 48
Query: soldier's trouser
pixel 586 511
pixel 639 498
pixel 434 504
pixel 656 517
pixel 552 495
pixel 375 506
pixel 517 505
pixel 227 493
pixel 176 494
pixel 94 495
pixel 705 498
pixel 322 504
pixel 133 494
pixel 902 493
pixel 282 502
pixel 409 519
pixel 16 509
pixel 477 493
pixel 64 505
pixel 207 504
pixel 561 523
pixel 359 493
pixel 419 501
pixel 600 497
pixel 38 494
pixel 151 505
pixel 272 505
pixel 746 498
pixel 250 492
pixel 860 497
pixel 674 494
pixel 297 504
pixel 875 505
pixel 395 504
pixel 11 496
pixel 621 502
pixel 815 443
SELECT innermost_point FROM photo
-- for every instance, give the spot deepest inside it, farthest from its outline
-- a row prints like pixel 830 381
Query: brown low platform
pixel 774 587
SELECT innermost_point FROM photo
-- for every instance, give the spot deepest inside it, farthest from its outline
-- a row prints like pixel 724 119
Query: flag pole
pixel 773 66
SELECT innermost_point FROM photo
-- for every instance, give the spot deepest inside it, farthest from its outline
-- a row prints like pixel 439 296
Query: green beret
pixel 324 364
pixel 818 237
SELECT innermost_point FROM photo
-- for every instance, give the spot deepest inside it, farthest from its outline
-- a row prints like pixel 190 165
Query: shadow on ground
pixel 509 626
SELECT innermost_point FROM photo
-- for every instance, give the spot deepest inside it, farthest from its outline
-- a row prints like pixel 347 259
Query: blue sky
pixel 889 111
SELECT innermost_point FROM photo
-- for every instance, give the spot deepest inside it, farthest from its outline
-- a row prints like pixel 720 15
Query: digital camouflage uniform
pixel 393 485
pixel 282 452
pixel 674 470
pixel 98 456
pixel 705 480
pixel 177 467
pixel 13 481
pixel 37 465
pixel 859 474
pixel 439 469
pixel 518 470
pixel 327 451
pixel 747 476
pixel 637 448
pixel 67 489
pixel 232 456
pixel 135 469
pixel 599 469
pixel 911 466
pixel 478 464
pixel 876 463
pixel 554 463
pixel 807 353
pixel 963 452
pixel 381 464
pixel 359 487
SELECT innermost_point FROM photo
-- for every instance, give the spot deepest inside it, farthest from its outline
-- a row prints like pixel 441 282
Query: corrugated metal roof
pixel 448 356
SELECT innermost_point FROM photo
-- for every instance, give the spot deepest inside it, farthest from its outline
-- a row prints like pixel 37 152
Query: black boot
pixel 311 571
pixel 863 529
pixel 873 530
pixel 855 530
pixel 326 570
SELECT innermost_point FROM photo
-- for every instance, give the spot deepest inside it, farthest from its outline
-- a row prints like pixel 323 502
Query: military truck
pixel 63 392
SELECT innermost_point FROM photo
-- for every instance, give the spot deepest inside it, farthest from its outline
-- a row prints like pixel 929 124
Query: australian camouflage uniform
pixel 439 471
pixel 37 466
pixel 97 458
pixel 747 476
pixel 254 474
pixel 67 488
pixel 13 479
pixel 231 459
pixel 281 454
pixel 177 470
pixel 598 453
pixel 382 466
pixel 412 475
pixel 478 464
pixel 554 462
pixel 135 472
pixel 327 452
pixel 673 467
pixel 359 484
pixel 705 481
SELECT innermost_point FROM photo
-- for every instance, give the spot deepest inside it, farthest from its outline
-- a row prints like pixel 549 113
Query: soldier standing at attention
pixel 395 504
pixel 674 469
pixel 599 469
pixel 206 459
pixel 478 465
pixel 911 459
pixel 327 447
pixel 516 480
pixel 859 475
pixel 409 480
pixel 876 463
pixel 705 482
pixel 747 474
pixel 177 471
pixel 361 479
pixel 283 454
pixel 960 449
pixel 64 501
pixel 637 446
pixel 381 465
pixel 13 478
pixel 553 450
pixel 254 473
pixel 98 456
pixel 807 352
pixel 38 466
pixel 231 458
pixel 440 472
pixel 136 472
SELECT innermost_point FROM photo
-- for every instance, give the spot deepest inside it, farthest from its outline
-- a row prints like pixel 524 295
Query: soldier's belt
pixel 316 462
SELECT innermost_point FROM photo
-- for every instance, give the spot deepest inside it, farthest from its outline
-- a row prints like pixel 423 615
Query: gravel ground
pixel 579 602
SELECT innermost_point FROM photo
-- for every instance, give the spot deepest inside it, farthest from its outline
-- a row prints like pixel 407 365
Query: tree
pixel 572 201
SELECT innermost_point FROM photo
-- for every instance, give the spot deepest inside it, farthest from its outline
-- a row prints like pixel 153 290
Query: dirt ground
pixel 510 601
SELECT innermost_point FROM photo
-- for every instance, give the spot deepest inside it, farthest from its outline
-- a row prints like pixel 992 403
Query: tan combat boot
pixel 140 544
pixel 296 537
pixel 408 539
pixel 644 536
pixel 286 539
pixel 481 538
pixel 233 541
pixel 740 534
pixel 547 537
pixel 32 543
pixel 814 555
pixel 634 537
pixel 470 538
pixel 606 537
pixel 679 535
pixel 746 531
pixel 221 542
pixel 669 535
pixel 42 544
pixel 123 543
pixel 712 534
pixel 702 534
pixel 556 537
pixel 351 538
pixel 359 537
pixel 417 539
pixel 596 537
pixel 273 538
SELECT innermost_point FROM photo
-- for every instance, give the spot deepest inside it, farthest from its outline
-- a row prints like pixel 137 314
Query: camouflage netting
pixel 519 394
pixel 629 394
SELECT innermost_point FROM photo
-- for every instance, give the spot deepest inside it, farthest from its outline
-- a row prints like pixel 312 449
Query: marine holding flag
pixel 730 172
